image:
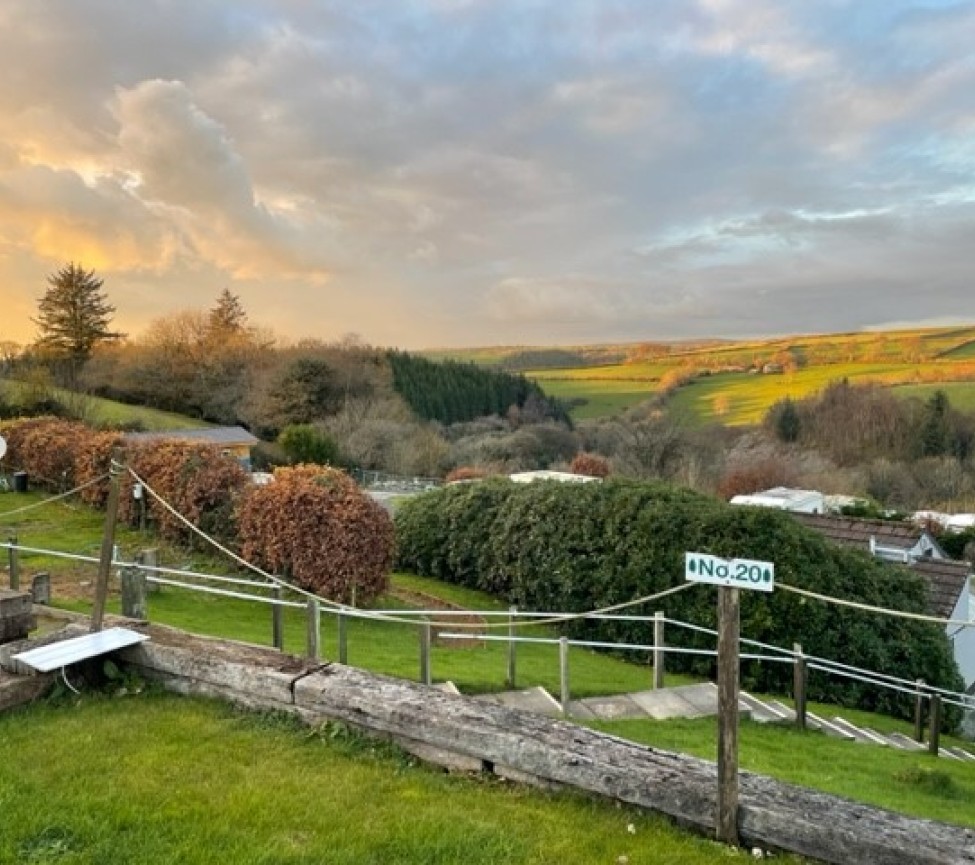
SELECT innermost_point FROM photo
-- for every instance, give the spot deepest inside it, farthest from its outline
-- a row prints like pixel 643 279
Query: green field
pixel 961 394
pixel 598 397
pixel 743 398
pixel 108 413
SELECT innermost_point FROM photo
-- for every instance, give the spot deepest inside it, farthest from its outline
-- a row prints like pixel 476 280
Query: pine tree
pixel 73 316
pixel 228 316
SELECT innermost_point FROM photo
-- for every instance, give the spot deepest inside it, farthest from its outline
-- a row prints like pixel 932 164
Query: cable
pixel 856 605
pixel 56 498
pixel 357 612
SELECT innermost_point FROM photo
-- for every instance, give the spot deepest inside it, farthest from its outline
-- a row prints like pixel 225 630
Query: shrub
pixel 592 465
pixel 576 547
pixel 45 448
pixel 465 473
pixel 198 480
pixel 316 526
pixel 305 443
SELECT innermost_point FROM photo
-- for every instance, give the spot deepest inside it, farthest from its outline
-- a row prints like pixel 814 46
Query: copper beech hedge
pixel 312 523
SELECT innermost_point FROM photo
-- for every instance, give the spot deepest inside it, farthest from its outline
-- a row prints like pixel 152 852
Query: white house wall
pixel 963 640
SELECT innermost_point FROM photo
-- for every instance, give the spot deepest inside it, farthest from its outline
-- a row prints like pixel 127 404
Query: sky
pixel 494 172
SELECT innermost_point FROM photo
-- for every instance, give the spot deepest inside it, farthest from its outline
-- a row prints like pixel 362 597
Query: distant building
pixel 568 477
pixel 948 582
pixel 234 441
pixel 785 499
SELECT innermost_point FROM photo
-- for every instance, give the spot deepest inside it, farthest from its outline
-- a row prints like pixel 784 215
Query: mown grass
pixel 911 783
pixel 381 647
pixel 165 779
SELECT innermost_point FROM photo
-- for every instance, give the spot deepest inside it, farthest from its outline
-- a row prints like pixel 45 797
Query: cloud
pixel 467 171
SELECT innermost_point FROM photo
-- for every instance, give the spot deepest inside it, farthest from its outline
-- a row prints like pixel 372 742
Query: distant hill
pixel 736 381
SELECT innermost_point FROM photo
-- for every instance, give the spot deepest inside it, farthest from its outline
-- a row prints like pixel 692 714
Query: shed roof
pixel 946 579
pixel 216 435
pixel 855 532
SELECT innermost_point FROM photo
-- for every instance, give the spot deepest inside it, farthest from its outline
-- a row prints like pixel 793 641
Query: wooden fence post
pixel 106 556
pixel 512 649
pixel 133 581
pixel 40 588
pixel 919 711
pixel 277 620
pixel 425 634
pixel 564 689
pixel 658 649
pixel 342 637
pixel 799 685
pixel 14 562
pixel 934 732
pixel 149 559
pixel 314 630
pixel 729 629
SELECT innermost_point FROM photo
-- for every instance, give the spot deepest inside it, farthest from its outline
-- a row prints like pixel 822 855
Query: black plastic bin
pixel 20 482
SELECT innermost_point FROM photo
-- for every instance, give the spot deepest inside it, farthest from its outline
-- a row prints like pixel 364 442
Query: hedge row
pixel 311 523
pixel 576 547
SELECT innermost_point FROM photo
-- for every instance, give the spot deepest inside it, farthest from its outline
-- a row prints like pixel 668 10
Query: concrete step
pixel 961 754
pixel 447 687
pixel 816 722
pixel 536 700
pixel 859 734
pixel 763 712
pixel 906 742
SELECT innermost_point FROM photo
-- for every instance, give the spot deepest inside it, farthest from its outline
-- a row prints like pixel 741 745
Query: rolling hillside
pixel 723 381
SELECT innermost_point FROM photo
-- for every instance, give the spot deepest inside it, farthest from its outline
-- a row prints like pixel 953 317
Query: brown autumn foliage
pixel 754 477
pixel 198 480
pixel 313 524
pixel 592 465
pixel 92 459
pixel 465 473
pixel 45 448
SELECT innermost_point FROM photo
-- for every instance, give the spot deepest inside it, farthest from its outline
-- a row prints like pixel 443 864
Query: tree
pixel 228 317
pixel 73 316
pixel 787 424
pixel 305 443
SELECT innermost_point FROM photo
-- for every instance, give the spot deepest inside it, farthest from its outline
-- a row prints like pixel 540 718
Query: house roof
pixel 216 435
pixel 854 532
pixel 946 579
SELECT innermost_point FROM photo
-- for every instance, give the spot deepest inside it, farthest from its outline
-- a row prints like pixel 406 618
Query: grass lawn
pixel 378 646
pixel 164 779
pixel 912 783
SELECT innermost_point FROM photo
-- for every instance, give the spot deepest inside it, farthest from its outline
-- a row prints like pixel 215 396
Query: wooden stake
pixel 14 561
pixel 512 648
pixel 342 637
pixel 919 712
pixel 313 650
pixel 934 733
pixel 277 620
pixel 425 640
pixel 116 468
pixel 658 649
pixel 565 690
pixel 728 664
pixel 799 686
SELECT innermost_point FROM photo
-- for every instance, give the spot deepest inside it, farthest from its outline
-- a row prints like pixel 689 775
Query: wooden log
pixel 772 814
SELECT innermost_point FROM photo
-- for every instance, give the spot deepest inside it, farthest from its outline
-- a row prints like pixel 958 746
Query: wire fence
pixel 268 593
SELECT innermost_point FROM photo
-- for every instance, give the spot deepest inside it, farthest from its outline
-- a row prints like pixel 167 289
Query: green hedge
pixel 575 547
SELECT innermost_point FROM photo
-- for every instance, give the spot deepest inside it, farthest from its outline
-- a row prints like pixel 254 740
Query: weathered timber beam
pixel 772 814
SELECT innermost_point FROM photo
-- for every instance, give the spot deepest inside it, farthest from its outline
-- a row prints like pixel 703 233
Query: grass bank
pixel 165 779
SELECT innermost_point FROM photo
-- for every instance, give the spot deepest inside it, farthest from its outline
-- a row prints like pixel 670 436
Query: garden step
pixel 961 753
pixel 858 733
pixel 906 742
pixel 536 700
pixel 763 712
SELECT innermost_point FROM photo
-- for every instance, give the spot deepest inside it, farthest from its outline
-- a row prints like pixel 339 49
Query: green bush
pixel 577 547
pixel 305 443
